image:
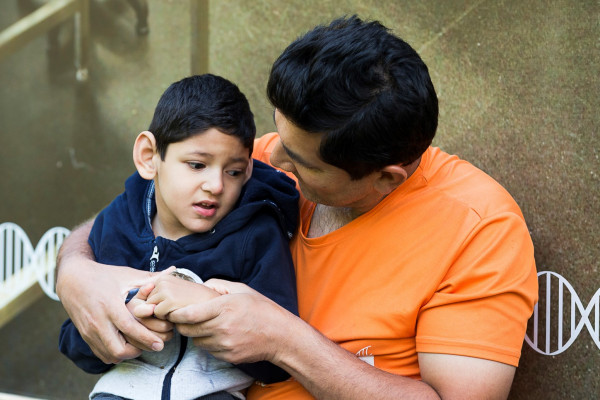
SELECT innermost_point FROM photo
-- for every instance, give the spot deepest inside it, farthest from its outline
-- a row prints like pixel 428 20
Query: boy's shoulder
pixel 267 181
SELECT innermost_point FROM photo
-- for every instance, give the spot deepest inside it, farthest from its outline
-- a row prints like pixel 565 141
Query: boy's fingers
pixel 144 291
pixel 163 309
pixel 143 310
pixel 227 287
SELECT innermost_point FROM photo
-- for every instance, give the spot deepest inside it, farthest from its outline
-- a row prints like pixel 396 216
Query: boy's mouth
pixel 206 209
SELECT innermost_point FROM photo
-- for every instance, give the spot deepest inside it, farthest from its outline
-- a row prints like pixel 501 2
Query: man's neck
pixel 327 219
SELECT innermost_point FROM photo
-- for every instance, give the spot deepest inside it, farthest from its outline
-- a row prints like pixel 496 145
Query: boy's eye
pixel 234 173
pixel 196 165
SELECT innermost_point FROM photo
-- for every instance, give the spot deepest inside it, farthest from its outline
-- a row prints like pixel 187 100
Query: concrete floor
pixel 518 83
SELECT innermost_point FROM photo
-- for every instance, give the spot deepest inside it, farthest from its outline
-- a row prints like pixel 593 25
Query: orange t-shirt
pixel 444 264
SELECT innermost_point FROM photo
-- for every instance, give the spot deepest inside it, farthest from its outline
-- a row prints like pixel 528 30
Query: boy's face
pixel 198 183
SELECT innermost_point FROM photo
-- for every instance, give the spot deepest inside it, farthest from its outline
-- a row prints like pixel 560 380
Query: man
pixel 415 270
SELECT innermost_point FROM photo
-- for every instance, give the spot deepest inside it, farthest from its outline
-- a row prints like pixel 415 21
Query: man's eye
pixel 196 165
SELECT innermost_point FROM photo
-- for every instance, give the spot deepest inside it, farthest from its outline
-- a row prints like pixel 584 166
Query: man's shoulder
pixel 459 180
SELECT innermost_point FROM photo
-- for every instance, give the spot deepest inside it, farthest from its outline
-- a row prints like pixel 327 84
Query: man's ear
pixel 389 178
pixel 144 152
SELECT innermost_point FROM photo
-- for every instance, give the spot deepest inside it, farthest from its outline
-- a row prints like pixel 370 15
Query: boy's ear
pixel 249 170
pixel 144 152
pixel 389 178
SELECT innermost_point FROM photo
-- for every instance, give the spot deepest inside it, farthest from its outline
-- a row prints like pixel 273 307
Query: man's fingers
pixel 165 336
pixel 135 347
pixel 112 347
pixel 196 313
pixel 157 325
pixel 146 340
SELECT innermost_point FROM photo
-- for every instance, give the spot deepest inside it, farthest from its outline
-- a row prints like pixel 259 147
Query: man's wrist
pixel 286 338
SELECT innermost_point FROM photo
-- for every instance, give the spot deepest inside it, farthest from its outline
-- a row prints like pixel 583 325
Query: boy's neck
pixel 158 228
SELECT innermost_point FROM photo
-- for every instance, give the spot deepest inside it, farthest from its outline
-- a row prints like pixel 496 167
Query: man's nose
pixel 280 159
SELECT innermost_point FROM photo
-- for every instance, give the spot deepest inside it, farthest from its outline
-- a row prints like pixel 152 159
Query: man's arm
pixel 338 374
pixel 457 377
pixel 93 295
pixel 244 326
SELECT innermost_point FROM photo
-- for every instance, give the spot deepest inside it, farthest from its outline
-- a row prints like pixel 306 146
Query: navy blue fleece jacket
pixel 248 245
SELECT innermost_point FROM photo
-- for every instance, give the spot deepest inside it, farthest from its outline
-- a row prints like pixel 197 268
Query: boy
pixel 197 202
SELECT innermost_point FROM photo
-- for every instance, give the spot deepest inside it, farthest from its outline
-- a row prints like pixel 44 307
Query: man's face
pixel 298 152
pixel 199 182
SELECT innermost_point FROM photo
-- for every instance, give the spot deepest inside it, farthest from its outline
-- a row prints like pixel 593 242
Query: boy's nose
pixel 213 183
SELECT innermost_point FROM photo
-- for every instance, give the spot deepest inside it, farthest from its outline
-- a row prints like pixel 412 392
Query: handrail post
pixel 82 40
pixel 199 42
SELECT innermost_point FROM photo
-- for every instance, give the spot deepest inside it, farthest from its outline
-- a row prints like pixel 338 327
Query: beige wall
pixel 518 83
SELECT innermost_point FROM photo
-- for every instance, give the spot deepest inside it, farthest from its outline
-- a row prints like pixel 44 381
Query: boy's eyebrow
pixel 232 160
pixel 239 160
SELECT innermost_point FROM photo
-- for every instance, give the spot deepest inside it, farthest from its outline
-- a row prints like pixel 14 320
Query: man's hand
pixel 237 326
pixel 93 295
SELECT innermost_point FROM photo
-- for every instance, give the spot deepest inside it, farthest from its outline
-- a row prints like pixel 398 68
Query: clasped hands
pixel 155 301
pixel 220 316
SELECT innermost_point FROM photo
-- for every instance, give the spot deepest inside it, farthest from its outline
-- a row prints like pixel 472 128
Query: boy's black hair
pixel 197 103
pixel 365 90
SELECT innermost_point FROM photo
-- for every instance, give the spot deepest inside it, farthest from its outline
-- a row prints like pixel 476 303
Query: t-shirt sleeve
pixel 263 147
pixel 481 307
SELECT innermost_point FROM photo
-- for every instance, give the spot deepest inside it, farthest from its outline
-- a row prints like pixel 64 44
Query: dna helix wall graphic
pixel 559 317
pixel 22 265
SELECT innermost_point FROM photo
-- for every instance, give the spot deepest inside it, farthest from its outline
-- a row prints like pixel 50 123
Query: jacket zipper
pixel 166 389
pixel 154 257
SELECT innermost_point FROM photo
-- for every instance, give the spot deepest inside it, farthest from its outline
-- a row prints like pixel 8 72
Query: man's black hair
pixel 197 103
pixel 365 90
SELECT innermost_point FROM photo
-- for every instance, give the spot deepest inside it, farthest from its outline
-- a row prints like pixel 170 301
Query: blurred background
pixel 518 82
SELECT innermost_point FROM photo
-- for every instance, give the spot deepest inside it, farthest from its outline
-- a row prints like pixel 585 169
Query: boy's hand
pixel 171 293
pixel 144 313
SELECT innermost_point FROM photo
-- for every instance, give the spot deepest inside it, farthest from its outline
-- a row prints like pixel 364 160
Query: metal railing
pixel 23 267
pixel 45 18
